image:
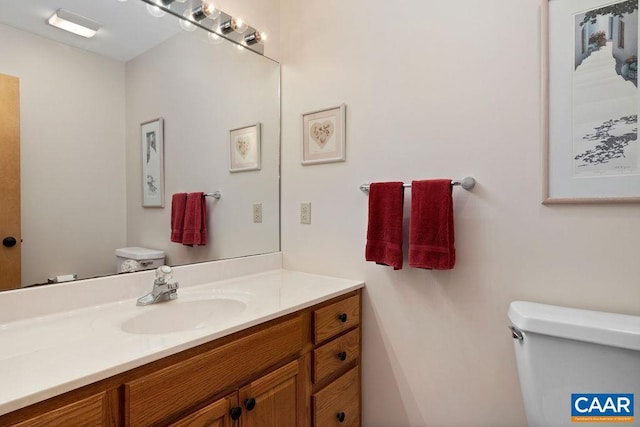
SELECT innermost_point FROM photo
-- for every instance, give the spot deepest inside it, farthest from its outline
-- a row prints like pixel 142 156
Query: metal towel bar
pixel 467 183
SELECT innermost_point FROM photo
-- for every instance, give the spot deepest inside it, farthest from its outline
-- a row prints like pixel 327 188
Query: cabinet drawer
pixel 335 318
pixel 335 355
pixel 153 398
pixel 338 404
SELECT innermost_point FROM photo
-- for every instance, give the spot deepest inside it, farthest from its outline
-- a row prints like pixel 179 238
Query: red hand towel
pixel 178 204
pixel 384 233
pixel 195 220
pixel 431 237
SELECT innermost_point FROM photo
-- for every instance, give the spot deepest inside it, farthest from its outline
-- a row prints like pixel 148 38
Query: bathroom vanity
pixel 289 356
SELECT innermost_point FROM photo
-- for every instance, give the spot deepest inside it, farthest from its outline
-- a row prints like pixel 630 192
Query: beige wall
pixel 72 158
pixel 441 89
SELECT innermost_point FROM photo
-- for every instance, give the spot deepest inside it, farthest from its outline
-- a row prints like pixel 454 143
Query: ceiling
pixel 127 28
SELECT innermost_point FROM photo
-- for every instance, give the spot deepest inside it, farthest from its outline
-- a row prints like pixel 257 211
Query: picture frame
pixel 591 151
pixel 244 148
pixel 152 156
pixel 324 135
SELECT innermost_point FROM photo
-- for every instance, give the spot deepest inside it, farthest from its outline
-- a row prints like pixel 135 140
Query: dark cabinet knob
pixel 250 404
pixel 235 413
pixel 9 242
pixel 343 317
pixel 341 416
pixel 342 355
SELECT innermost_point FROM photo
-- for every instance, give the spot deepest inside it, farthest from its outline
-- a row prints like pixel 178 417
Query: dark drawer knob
pixel 341 416
pixel 235 413
pixel 250 404
pixel 343 317
pixel 9 242
pixel 342 355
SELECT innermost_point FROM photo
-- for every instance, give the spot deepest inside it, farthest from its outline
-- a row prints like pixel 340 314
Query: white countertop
pixel 44 356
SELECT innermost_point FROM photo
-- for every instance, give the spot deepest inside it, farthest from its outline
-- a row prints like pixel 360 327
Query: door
pixel 10 237
pixel 270 401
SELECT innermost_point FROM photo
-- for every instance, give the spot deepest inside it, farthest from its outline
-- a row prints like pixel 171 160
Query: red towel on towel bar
pixel 195 220
pixel 384 232
pixel 178 204
pixel 431 237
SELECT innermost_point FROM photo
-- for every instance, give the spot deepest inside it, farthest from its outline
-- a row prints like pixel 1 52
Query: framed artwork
pixel 244 148
pixel 152 145
pixel 591 90
pixel 323 136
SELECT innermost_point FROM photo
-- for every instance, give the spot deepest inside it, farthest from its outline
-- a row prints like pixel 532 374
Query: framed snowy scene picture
pixel 591 86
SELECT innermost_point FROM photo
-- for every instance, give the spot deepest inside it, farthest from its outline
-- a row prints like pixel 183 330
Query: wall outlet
pixel 305 213
pixel 257 212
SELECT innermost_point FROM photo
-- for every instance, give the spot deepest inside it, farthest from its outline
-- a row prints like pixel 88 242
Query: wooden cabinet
pixel 217 414
pixel 302 369
pixel 338 404
pixel 91 411
pixel 272 399
pixel 172 390
pixel 268 401
pixel 336 364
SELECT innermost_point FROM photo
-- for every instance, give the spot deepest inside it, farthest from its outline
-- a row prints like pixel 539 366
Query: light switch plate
pixel 305 213
pixel 257 213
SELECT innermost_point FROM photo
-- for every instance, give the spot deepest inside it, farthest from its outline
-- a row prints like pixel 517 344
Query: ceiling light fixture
pixel 74 23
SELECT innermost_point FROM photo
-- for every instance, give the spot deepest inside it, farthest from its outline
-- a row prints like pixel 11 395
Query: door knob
pixel 235 413
pixel 250 404
pixel 9 242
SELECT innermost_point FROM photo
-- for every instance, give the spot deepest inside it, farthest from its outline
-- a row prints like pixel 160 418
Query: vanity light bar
pixel 74 23
pixel 204 14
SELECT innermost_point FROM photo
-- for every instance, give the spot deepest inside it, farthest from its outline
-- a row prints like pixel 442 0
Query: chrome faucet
pixel 162 289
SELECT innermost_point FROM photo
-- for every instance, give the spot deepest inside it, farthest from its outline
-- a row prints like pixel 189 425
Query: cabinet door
pixel 271 401
pixel 218 414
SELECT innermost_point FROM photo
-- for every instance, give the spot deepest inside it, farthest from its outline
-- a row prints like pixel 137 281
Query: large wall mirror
pixel 82 103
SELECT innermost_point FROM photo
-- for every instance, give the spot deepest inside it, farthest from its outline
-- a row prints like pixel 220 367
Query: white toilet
pixel 577 363
pixel 136 259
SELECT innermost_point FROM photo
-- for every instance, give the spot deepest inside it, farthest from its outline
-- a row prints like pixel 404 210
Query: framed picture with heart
pixel 323 136
pixel 244 149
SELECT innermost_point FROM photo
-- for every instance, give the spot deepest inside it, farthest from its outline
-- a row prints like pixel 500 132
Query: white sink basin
pixel 179 315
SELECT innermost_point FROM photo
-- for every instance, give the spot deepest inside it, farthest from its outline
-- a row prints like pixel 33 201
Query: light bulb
pixel 255 37
pixel 155 11
pixel 214 38
pixel 185 23
pixel 233 24
pixel 205 9
pixel 241 26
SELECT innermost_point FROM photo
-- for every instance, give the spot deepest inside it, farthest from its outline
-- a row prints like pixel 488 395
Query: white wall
pixel 202 91
pixel 441 89
pixel 72 155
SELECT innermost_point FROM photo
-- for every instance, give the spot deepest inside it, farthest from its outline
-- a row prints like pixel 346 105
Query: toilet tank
pixel 565 356
pixel 136 258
